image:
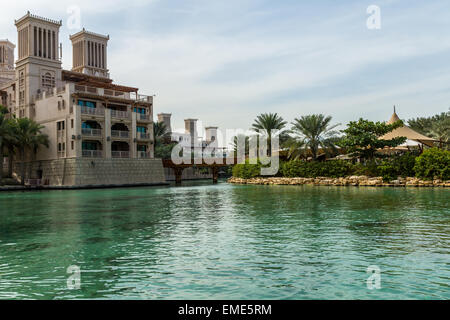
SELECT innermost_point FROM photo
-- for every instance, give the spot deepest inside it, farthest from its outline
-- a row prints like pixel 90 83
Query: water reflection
pixel 223 241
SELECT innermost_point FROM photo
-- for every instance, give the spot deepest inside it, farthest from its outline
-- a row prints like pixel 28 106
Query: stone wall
pixel 361 181
pixel 96 172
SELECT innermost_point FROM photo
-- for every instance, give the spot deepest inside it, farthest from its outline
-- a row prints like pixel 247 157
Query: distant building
pixel 190 137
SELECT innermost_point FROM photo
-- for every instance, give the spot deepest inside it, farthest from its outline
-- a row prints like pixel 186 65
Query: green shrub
pixel 433 163
pixel 397 166
pixel 369 169
pixel 246 171
pixel 299 168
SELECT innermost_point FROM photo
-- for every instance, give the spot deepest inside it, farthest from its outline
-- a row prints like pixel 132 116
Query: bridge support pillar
pixel 178 173
pixel 215 174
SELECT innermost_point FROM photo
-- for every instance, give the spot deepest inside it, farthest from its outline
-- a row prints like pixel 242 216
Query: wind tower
pixel 90 53
pixel 38 66
pixel 7 72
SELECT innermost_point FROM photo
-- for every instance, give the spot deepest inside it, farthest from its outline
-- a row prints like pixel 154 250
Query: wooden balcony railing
pixel 93 111
pixel 120 114
pixel 120 134
pixel 143 154
pixel 143 136
pixel 91 132
pixel 120 154
pixel 92 153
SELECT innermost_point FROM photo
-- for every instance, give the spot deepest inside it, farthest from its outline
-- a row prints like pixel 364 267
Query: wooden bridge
pixel 198 163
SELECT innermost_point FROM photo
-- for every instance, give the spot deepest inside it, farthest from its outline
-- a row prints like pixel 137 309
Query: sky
pixel 225 62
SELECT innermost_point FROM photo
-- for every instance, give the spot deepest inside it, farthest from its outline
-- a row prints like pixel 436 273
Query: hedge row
pixel 432 163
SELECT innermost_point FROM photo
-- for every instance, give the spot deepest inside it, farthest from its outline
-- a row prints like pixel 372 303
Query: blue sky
pixel 225 62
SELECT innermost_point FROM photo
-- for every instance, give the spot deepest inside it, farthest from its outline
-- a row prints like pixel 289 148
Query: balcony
pixel 143 117
pixel 143 136
pixel 92 154
pixel 143 154
pixel 120 114
pixel 93 111
pixel 91 132
pixel 120 154
pixel 86 89
pixel 114 93
pixel 120 134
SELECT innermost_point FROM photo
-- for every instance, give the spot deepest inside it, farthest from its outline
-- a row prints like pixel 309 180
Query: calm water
pixel 201 241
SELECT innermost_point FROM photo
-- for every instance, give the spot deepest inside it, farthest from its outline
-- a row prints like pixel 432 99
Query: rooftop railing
pixel 114 93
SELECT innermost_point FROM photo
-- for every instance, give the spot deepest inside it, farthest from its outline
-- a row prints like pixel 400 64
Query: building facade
pixel 85 115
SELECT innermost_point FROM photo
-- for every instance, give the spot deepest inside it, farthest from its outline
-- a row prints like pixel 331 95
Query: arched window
pixel 21 79
pixel 48 81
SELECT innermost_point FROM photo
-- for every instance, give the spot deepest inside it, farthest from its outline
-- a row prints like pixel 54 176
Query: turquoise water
pixel 202 241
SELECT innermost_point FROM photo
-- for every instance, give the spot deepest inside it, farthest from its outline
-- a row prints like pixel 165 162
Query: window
pixel 21 97
pixel 140 110
pixel 48 81
pixel 72 145
pixel 141 148
pixel 59 147
pixel 22 79
pixel 60 125
pixel 85 103
pixel 71 125
pixel 141 129
pixel 87 145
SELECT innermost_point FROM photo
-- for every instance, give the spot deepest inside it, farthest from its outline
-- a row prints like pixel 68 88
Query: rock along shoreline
pixel 361 181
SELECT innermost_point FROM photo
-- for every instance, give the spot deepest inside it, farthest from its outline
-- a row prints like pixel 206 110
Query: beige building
pixel 88 118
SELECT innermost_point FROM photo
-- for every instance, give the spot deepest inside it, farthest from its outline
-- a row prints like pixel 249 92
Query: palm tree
pixel 235 143
pixel 10 144
pixel 37 141
pixel 28 136
pixel 441 131
pixel 4 133
pixel 266 123
pixel 159 131
pixel 295 148
pixel 315 131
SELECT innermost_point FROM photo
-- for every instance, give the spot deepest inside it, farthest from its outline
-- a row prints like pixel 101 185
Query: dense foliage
pixel 437 126
pixel 397 166
pixel 299 168
pixel 362 137
pixel 22 136
pixel 246 170
pixel 433 163
pixel 164 151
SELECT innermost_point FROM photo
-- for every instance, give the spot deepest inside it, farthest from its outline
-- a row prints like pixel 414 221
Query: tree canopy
pixel 362 137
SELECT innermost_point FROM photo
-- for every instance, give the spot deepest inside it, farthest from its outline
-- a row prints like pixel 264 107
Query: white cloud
pixel 225 63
